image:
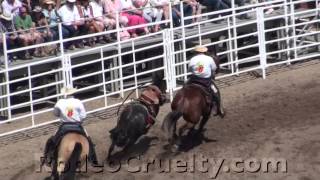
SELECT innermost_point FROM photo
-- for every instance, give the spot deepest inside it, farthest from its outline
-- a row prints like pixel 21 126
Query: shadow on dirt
pixel 189 141
pixel 140 148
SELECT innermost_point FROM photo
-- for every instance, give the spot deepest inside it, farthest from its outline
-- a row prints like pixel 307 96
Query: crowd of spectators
pixel 28 22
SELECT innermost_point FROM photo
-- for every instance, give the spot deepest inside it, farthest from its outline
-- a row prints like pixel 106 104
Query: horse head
pixel 119 137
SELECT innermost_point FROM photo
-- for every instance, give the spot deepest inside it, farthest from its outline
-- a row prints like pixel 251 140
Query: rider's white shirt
pixel 202 66
pixel 70 110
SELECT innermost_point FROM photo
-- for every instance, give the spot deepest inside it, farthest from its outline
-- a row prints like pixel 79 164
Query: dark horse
pixel 193 103
pixel 136 119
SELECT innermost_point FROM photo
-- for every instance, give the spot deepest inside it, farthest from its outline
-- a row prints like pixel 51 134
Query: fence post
pixel 6 90
pixel 262 41
pixel 167 61
pixel 184 59
pixel 318 24
pixel 63 59
pixel 119 75
pixel 171 50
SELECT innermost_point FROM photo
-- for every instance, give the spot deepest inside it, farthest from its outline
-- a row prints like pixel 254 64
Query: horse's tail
pixel 71 166
pixel 169 123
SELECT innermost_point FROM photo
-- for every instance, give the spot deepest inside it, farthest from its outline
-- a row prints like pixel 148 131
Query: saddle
pixel 151 118
pixel 69 128
pixel 206 92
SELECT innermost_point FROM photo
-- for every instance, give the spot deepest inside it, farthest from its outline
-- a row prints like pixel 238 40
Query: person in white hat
pixel 7 26
pixel 203 69
pixel 71 23
pixel 71 113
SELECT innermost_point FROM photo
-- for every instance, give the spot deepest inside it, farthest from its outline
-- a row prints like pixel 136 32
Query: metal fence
pixel 107 73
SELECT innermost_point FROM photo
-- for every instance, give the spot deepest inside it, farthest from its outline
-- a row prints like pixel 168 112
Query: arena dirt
pixel 274 118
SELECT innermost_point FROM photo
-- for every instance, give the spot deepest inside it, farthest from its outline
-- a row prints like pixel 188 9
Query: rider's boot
pixel 48 151
pixel 220 109
pixel 92 153
pixel 217 98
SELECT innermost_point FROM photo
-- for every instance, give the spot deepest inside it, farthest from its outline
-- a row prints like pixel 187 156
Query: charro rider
pixel 203 69
pixel 71 113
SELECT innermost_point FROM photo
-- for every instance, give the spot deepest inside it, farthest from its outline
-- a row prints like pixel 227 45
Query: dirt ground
pixel 274 118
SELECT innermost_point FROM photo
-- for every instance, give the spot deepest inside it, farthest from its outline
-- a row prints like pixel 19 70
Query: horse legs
pixel 182 129
pixel 186 126
pixel 203 123
pixel 54 173
pixel 110 151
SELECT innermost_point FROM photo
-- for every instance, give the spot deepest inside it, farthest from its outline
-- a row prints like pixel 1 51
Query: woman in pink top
pixel 111 7
pixel 135 17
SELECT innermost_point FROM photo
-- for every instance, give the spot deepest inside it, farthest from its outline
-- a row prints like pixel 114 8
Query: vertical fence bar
pixel 119 53
pixel 103 79
pixel 286 15
pixel 63 58
pixel 293 23
pixel 229 47
pixel 183 41
pixel 235 45
pixel 317 24
pixel 31 97
pixel 7 79
pixel 166 58
pixel 61 39
pixel 134 69
pixel 172 50
pixel 262 41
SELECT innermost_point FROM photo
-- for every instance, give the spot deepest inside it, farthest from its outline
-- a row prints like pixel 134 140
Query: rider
pixel 203 69
pixel 71 113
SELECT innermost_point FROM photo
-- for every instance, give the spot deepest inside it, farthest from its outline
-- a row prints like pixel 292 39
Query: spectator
pixel 51 14
pixel 111 8
pixel 91 24
pixel 239 3
pixel 214 5
pixel 30 4
pixel 151 14
pixel 7 26
pixel 27 30
pixel 187 11
pixel 100 18
pixel 41 23
pixel 269 10
pixel 11 6
pixel 161 5
pixel 71 22
pixel 98 14
pixel 43 27
pixel 134 16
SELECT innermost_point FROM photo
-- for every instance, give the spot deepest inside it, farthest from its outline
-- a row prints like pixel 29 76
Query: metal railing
pixel 106 73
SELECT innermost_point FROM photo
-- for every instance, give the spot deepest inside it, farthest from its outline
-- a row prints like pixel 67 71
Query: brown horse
pixel 72 153
pixel 192 103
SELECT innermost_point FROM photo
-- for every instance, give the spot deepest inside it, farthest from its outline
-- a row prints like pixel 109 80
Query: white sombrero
pixel 68 91
pixel 201 49
pixel 49 2
pixel 6 16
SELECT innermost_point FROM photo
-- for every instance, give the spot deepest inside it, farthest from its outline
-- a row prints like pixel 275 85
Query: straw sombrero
pixel 37 9
pixel 201 49
pixel 49 2
pixel 6 16
pixel 68 91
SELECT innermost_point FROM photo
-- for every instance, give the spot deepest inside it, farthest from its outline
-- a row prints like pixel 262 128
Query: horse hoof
pixel 175 148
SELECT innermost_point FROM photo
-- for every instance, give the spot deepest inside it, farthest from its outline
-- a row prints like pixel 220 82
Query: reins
pixel 128 97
